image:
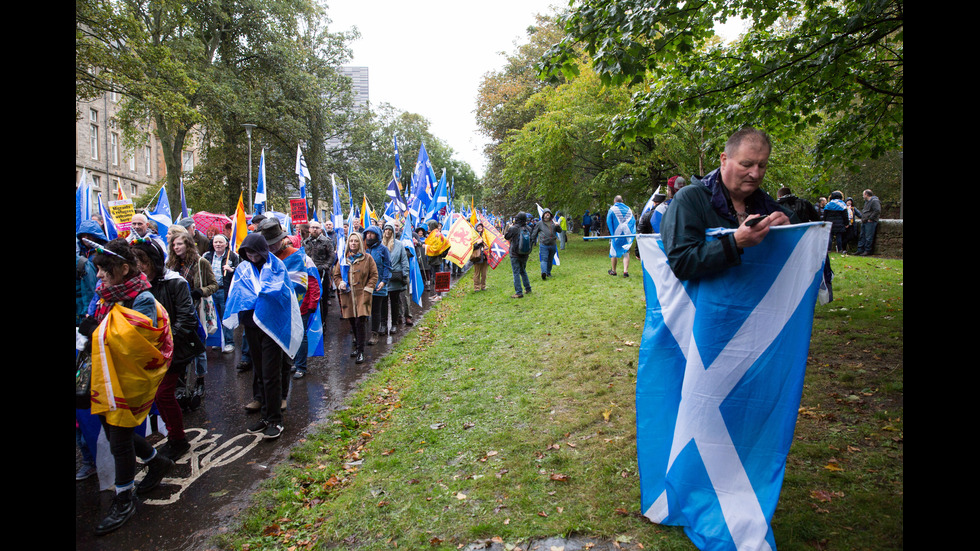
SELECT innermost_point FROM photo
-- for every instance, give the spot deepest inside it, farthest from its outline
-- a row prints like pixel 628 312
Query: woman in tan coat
pixel 355 284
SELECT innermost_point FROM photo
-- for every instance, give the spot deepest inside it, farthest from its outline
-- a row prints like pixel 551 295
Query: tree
pixel 179 64
pixel 836 66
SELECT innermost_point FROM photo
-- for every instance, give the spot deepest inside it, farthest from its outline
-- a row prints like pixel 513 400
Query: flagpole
pixel 248 130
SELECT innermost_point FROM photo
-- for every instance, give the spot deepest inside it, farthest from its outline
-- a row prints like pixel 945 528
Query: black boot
pixel 123 507
pixel 157 468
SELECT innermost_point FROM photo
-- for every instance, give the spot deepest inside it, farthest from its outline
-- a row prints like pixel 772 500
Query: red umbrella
pixel 204 221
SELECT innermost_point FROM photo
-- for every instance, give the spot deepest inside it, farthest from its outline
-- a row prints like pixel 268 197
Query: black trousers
pixel 271 374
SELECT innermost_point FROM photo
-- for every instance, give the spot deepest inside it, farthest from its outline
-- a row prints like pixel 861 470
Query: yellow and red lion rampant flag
pixel 130 356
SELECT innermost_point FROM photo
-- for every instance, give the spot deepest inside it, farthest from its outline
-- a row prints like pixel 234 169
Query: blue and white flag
pixel 440 200
pixel 302 172
pixel 109 225
pixel 423 184
pixel 415 284
pixel 161 212
pixel 338 222
pixel 622 228
pixel 398 162
pixel 718 388
pixel 396 196
pixel 83 200
pixel 259 202
pixel 269 292
pixel 183 201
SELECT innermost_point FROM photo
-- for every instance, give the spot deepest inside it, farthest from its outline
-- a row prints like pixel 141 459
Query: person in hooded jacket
pixel 399 274
pixel 379 303
pixel 545 233
pixel 518 260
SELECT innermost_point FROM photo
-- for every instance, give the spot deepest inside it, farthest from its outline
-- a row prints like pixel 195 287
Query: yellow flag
pixel 461 239
pixel 130 356
pixel 239 228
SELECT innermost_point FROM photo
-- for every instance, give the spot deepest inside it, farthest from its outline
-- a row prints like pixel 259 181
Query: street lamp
pixel 248 130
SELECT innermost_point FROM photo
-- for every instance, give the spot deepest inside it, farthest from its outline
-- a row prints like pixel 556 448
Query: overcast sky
pixel 453 44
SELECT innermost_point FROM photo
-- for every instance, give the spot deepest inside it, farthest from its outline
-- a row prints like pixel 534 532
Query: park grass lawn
pixel 508 420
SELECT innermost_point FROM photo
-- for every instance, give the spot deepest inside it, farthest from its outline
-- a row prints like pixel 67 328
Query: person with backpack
pixel 519 237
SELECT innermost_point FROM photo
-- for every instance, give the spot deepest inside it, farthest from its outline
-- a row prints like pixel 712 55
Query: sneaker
pixel 517 295
pixel 258 427
pixel 360 358
pixel 86 471
pixel 612 272
pixel 625 274
pixel 157 468
pixel 272 431
pixel 228 348
pixel 175 449
pixel 282 405
pixel 244 366
pixel 300 373
pixel 253 406
pixel 372 341
pixel 122 509
pixel 544 276
pixel 408 321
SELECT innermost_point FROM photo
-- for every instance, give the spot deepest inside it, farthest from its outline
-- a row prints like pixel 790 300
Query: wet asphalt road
pixel 225 465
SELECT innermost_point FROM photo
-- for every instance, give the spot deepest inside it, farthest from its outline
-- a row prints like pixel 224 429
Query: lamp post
pixel 248 130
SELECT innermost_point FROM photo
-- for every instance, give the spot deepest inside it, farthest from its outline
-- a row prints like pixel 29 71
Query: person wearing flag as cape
pixel 728 197
pixel 622 228
pixel 131 347
pixel 305 279
pixel 263 301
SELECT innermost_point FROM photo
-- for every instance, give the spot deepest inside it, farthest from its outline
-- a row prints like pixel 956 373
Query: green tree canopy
pixel 836 66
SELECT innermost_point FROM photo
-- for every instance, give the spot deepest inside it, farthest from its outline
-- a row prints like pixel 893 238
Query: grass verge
pixel 507 420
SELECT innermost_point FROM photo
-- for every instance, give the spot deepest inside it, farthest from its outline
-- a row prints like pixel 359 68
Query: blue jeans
pixel 220 297
pixel 546 254
pixel 518 263
pixel 867 238
pixel 299 360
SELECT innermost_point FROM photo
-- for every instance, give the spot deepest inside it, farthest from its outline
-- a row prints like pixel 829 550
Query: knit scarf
pixel 111 294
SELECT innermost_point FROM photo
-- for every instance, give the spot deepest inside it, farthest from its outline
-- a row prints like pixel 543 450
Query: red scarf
pixel 111 294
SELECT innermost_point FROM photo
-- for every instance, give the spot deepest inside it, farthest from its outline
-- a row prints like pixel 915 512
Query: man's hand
pixel 749 236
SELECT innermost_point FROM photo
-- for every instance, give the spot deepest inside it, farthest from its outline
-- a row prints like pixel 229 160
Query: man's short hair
pixel 869 193
pixel 618 199
pixel 746 133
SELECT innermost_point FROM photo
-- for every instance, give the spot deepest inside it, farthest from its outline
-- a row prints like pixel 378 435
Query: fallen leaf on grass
pixel 559 477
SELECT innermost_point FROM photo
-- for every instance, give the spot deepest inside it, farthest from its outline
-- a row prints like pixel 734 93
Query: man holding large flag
pixel 729 315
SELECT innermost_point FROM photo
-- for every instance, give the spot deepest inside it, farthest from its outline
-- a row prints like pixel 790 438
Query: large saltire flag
pixel 394 192
pixel 239 226
pixel 398 163
pixel 302 171
pixel 718 388
pixel 622 228
pixel 270 294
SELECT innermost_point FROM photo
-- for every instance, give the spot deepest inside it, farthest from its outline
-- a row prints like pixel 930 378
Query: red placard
pixel 441 283
pixel 297 210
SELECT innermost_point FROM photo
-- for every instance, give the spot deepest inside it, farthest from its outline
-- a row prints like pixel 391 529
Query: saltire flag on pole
pixel 259 202
pixel 161 212
pixel 338 221
pixel 183 201
pixel 423 182
pixel 719 381
pixel 302 171
pixel 107 221
pixel 239 226
pixel 440 199
pixel 415 283
pixel 83 200
pixel 398 163
pixel 394 192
